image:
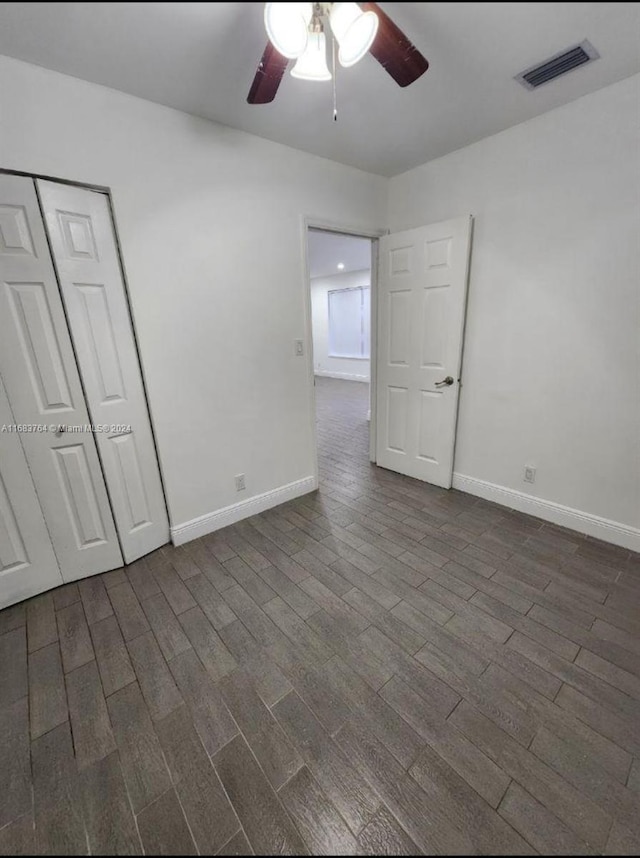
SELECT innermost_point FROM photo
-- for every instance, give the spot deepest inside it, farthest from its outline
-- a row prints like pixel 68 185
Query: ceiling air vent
pixel 560 64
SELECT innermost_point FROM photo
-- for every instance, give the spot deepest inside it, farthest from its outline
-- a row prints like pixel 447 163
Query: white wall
pixel 550 375
pixel 210 223
pixel 354 369
pixel 211 231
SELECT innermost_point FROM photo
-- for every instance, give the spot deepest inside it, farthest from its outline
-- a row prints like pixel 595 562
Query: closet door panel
pixel 85 253
pixel 28 563
pixel 44 391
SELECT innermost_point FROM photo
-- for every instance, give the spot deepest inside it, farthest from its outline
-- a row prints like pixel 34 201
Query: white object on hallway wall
pixel 43 387
pixel 422 295
pixel 85 253
pixel 324 363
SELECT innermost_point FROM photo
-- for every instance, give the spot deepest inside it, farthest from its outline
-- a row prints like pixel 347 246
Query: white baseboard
pixel 204 524
pixel 345 376
pixel 583 522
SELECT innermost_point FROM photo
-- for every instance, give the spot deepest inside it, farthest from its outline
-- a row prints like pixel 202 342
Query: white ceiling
pixel 327 249
pixel 201 58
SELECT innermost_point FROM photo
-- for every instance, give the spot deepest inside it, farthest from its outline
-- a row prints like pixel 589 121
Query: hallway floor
pixel 381 667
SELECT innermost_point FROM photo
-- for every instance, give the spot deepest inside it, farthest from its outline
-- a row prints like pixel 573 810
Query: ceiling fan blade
pixel 270 72
pixel 395 53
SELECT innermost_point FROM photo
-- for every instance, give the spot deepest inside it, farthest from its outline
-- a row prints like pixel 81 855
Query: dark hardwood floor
pixel 381 667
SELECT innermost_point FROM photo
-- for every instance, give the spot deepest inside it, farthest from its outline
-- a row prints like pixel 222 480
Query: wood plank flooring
pixel 381 667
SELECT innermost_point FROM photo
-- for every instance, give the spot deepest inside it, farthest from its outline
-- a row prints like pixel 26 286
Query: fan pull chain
pixel 335 96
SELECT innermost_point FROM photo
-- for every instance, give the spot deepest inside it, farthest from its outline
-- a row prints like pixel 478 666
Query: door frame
pixel 106 190
pixel 307 223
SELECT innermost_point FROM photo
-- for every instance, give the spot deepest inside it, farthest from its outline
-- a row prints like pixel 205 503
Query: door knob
pixel 446 382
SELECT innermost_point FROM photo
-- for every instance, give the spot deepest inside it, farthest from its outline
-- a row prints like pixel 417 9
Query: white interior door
pixel 85 254
pixel 28 563
pixel 42 383
pixel 421 309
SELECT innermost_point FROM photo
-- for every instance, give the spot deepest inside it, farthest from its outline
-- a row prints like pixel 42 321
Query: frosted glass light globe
pixel 354 30
pixel 287 25
pixel 312 65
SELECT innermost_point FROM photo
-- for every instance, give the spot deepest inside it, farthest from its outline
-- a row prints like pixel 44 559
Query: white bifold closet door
pixel 86 257
pixel 28 563
pixel 42 384
pixel 80 487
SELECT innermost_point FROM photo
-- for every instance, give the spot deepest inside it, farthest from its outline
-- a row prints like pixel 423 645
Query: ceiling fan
pixel 297 31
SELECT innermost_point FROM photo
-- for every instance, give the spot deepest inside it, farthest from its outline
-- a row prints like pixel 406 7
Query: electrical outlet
pixel 529 475
pixel 240 483
pixel 298 348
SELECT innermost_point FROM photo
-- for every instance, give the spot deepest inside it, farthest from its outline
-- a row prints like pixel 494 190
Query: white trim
pixel 345 376
pixel 373 349
pixel 583 522
pixel 333 356
pixel 308 331
pixel 204 524
pixel 312 222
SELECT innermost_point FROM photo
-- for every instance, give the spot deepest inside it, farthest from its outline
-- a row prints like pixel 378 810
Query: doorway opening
pixel 340 284
pixel 414 314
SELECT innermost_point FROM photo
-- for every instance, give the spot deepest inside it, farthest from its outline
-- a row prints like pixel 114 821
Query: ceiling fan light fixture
pixel 312 65
pixel 354 30
pixel 287 25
